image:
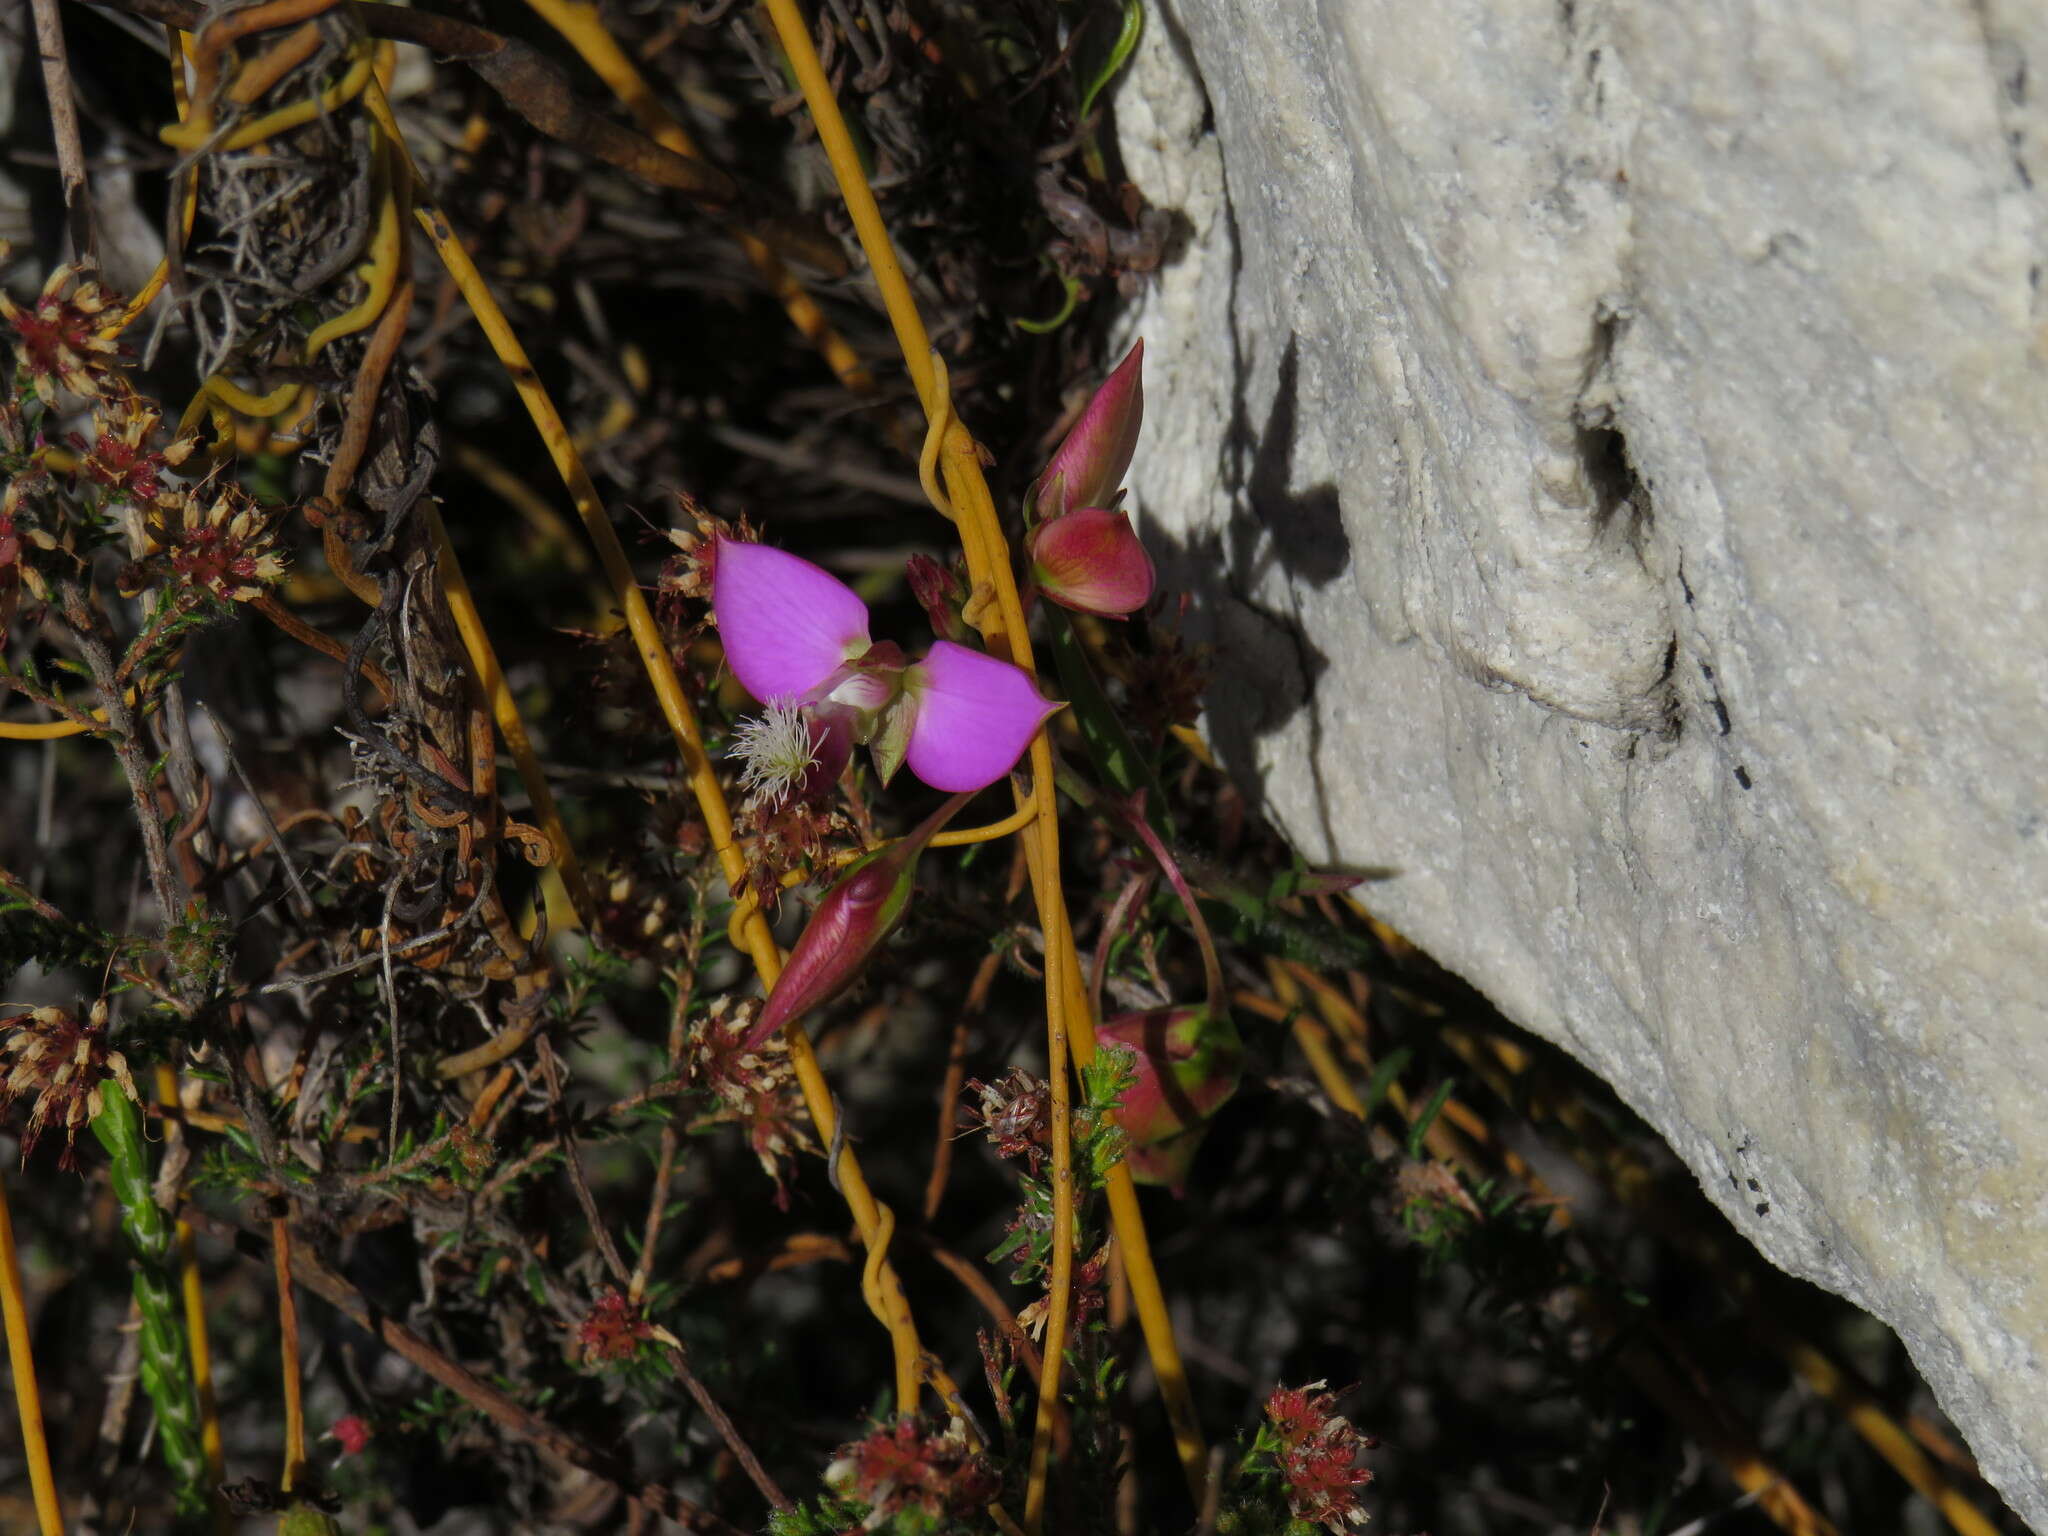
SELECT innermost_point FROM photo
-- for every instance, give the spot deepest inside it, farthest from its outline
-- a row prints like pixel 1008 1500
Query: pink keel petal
pixel 975 716
pixel 787 624
pixel 1092 560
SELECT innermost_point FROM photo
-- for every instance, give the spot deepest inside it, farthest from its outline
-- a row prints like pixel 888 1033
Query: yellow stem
pixel 192 134
pixel 1314 1041
pixel 54 730
pixel 28 1401
pixel 288 1354
pixel 483 661
pixel 387 251
pixel 1068 1024
pixel 1016 821
pixel 146 295
pixel 582 24
pixel 701 775
pixel 42 730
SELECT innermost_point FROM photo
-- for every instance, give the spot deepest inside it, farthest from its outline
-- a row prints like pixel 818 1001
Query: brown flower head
pixel 613 1329
pixel 753 1086
pixel 225 548
pixel 121 456
pixel 57 339
pixel 1015 1110
pixel 62 1064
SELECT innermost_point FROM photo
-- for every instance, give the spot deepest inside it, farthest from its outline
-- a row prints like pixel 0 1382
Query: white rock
pixel 1607 440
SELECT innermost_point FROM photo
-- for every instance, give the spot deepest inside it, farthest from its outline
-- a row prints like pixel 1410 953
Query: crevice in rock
pixel 2007 61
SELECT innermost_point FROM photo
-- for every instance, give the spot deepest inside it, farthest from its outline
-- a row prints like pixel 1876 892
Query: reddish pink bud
pixel 1188 1065
pixel 848 926
pixel 353 1433
pixel 1088 467
pixel 1091 560
pixel 942 594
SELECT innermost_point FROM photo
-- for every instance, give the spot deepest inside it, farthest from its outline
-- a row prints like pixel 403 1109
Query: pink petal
pixel 975 717
pixel 787 624
pixel 1092 560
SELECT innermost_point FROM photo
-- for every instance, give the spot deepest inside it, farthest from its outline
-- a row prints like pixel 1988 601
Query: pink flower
pixel 1318 1455
pixel 797 637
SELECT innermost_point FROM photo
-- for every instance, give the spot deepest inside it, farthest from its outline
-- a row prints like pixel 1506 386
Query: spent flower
pixel 122 457
pixel 64 1067
pixel 613 1329
pixel 909 1466
pixel 1188 1061
pixel 1318 1452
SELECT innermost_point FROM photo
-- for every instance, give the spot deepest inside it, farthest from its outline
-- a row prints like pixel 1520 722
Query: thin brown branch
pixel 323 1282
pixel 679 1362
pixel 64 124
pixel 551 1069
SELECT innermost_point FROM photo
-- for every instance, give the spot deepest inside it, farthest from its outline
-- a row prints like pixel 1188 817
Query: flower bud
pixel 1091 560
pixel 1188 1065
pixel 942 595
pixel 860 911
pixel 1088 467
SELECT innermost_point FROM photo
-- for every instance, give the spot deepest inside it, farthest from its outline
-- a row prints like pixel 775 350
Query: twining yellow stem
pixel 966 498
pixel 701 775
pixel 387 255
pixel 188 208
pixel 483 661
pixel 1016 821
pixel 28 1401
pixel 288 1354
pixel 41 730
pixel 193 133
pixel 582 24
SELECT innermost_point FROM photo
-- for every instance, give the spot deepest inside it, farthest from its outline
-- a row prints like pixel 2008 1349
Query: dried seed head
pixel 1016 1112
pixel 61 1065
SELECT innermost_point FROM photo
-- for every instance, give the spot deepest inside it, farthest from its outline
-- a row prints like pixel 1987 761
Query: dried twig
pixel 316 1277
pixel 64 124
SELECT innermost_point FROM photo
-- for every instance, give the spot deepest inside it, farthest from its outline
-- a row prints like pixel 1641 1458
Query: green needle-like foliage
pixel 166 1364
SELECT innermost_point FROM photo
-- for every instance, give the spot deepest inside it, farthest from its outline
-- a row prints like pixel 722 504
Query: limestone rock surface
pixel 1608 442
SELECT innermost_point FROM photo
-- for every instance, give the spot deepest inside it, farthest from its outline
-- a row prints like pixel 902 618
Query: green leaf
pixel 1428 1116
pixel 1115 756
pixel 1391 1066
